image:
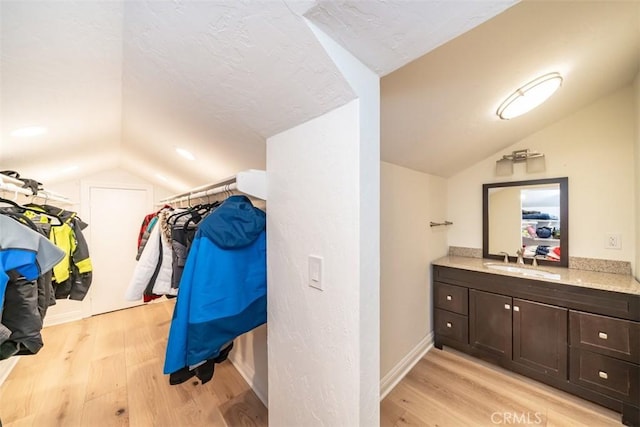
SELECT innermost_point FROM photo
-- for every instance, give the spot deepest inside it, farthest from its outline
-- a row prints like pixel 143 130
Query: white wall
pixel 637 175
pixel 313 210
pixel 408 201
pixel 324 200
pixel 594 148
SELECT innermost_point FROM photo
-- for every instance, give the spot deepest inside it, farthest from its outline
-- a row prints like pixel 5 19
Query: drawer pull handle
pixel 507 307
pixel 603 375
pixel 448 324
pixel 602 335
pixel 449 297
pixel 516 308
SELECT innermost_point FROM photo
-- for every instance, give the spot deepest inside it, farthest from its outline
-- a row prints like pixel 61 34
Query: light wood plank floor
pixel 107 371
pixel 447 388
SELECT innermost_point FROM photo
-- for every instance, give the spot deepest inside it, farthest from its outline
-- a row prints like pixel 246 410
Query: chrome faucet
pixel 506 257
pixel 534 262
pixel 520 253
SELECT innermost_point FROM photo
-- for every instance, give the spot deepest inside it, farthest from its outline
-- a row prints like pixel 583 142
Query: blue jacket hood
pixel 236 223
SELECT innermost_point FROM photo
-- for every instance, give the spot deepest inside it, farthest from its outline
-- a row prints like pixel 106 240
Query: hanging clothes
pixel 223 287
pixel 184 224
pixel 152 274
pixel 72 277
pixel 25 255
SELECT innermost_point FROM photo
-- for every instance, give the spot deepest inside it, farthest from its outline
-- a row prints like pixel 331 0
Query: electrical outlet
pixel 613 241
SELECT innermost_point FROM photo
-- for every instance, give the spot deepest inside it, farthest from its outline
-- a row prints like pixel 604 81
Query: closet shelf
pixel 12 185
pixel 252 182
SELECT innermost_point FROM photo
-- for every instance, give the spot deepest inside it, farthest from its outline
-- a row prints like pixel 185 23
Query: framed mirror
pixel 532 215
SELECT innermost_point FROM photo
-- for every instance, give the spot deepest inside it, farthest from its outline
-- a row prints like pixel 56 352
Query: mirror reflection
pixel 527 216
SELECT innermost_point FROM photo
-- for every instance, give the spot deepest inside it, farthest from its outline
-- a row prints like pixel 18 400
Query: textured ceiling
pixel 438 112
pixel 124 83
pixel 385 35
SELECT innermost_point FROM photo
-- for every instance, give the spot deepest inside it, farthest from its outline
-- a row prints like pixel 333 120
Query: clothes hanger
pixel 16 208
pixel 21 219
pixel 10 202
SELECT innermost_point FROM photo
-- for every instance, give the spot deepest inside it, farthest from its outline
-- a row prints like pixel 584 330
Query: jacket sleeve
pixel 145 267
pixel 82 273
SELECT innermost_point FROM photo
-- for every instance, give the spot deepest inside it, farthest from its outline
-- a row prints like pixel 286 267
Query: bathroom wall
pixel 594 147
pixel 408 201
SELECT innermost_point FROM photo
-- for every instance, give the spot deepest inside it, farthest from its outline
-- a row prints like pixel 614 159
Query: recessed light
pixel 162 177
pixel 70 169
pixel 29 131
pixel 184 153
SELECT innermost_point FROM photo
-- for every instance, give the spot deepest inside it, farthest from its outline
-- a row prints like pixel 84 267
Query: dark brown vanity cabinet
pixel 583 341
pixel 490 322
pixel 525 332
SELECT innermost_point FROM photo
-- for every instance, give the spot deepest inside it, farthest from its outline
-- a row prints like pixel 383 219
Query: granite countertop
pixel 589 279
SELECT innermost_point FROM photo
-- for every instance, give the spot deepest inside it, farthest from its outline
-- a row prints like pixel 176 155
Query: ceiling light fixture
pixel 29 131
pixel 529 96
pixel 162 177
pixel 535 162
pixel 184 153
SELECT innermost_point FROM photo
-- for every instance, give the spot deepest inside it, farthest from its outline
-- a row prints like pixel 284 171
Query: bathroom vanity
pixel 576 330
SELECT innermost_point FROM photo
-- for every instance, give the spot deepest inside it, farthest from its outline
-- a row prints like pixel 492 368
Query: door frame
pixel 85 212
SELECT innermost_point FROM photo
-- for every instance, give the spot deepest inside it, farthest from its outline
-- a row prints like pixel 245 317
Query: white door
pixel 114 223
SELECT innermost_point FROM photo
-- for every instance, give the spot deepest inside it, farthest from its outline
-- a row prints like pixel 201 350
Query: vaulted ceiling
pixel 438 113
pixel 123 83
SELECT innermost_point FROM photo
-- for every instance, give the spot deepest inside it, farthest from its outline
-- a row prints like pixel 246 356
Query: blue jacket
pixel 223 289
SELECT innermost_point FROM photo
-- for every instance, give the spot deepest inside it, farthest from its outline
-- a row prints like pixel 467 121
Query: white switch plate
pixel 613 241
pixel 315 272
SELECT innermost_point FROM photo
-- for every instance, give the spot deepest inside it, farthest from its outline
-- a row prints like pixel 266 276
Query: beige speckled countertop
pixel 589 279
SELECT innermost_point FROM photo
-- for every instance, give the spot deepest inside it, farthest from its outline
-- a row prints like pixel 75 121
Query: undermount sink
pixel 529 272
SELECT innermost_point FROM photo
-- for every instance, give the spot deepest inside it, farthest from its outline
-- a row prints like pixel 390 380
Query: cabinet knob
pixel 603 335
pixel 507 307
pixel 516 308
pixel 448 324
pixel 449 297
pixel 603 375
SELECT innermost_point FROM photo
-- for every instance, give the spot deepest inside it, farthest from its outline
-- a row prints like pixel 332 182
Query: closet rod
pixel 10 185
pixel 251 182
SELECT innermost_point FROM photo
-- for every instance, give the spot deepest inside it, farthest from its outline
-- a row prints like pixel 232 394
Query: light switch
pixel 315 272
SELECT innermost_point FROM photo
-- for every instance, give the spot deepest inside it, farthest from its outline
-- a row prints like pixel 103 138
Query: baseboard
pixel 6 366
pixel 57 319
pixel 395 375
pixel 248 373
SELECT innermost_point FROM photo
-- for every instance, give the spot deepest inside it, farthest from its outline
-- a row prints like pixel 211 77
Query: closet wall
pixel 66 310
pixel 408 201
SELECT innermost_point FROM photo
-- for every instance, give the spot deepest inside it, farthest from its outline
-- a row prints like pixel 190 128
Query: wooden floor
pixel 451 389
pixel 107 371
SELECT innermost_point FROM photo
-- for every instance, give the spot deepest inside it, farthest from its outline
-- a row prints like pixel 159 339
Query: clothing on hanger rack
pixel 26 256
pixel 222 292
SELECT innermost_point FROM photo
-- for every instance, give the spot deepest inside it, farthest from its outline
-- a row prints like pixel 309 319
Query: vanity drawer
pixel 605 335
pixel 451 325
pixel 604 374
pixel 451 298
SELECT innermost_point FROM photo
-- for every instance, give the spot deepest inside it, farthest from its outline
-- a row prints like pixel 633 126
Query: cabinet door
pixel 540 337
pixel 490 322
